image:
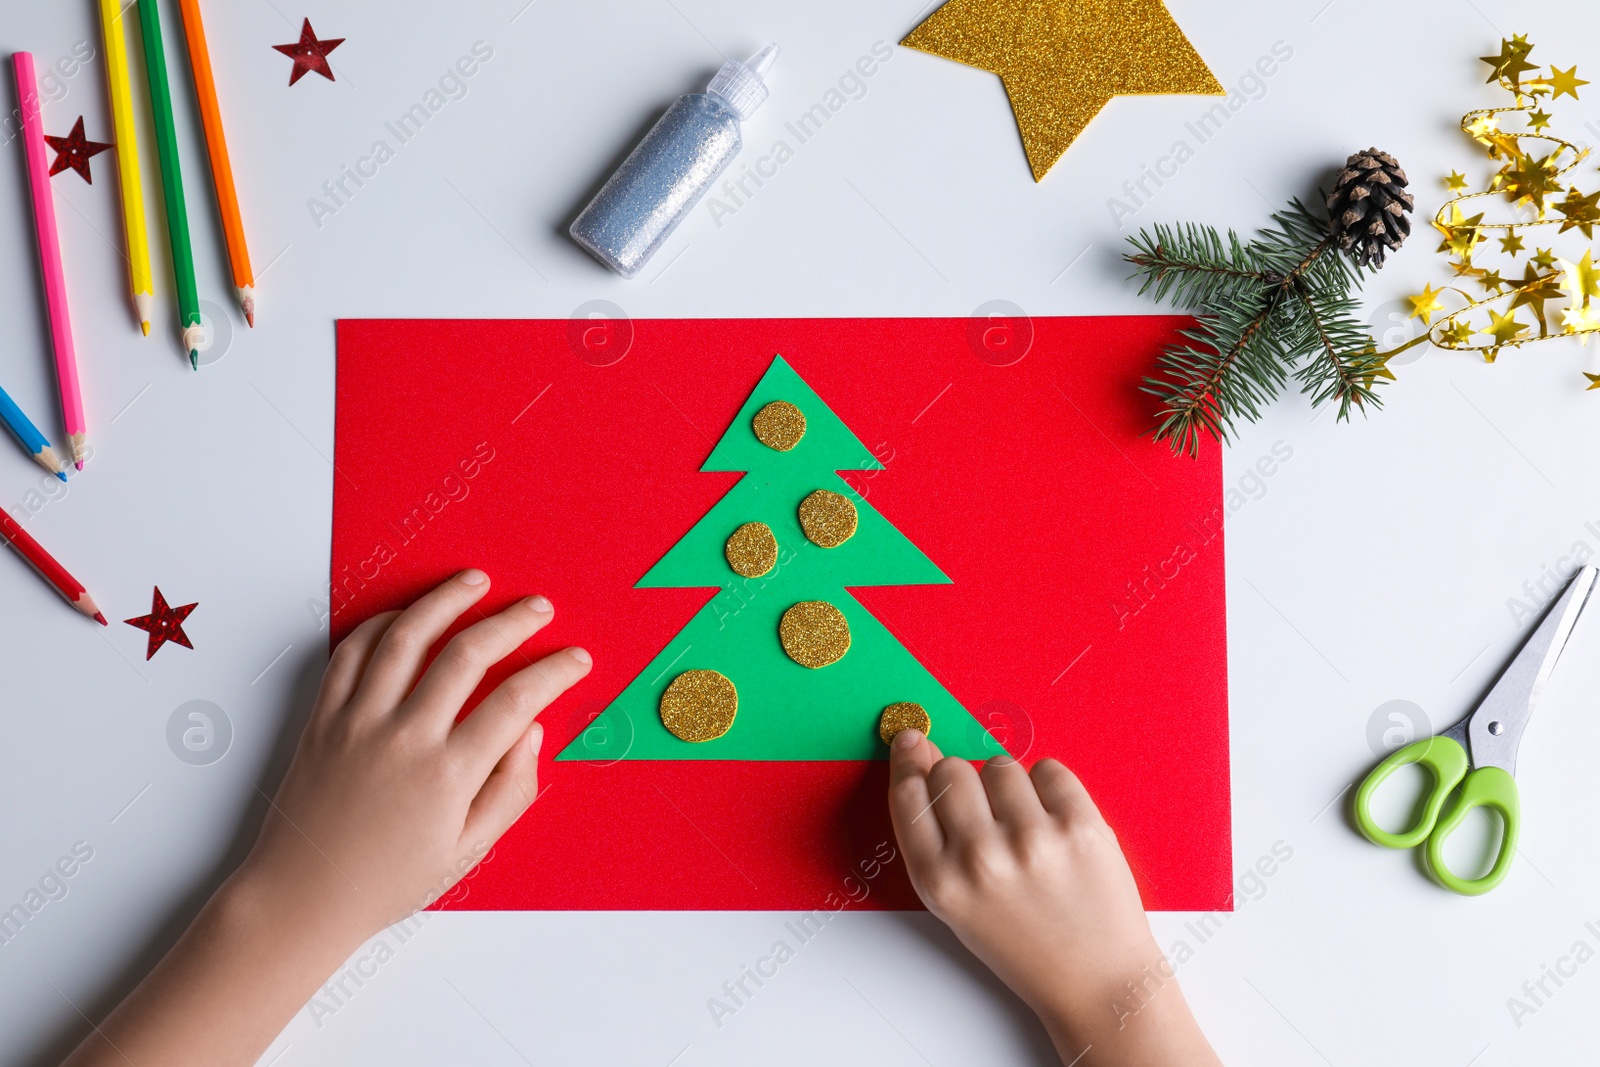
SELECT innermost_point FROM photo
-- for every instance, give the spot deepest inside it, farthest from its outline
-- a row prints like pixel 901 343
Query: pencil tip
pixel 78 464
pixel 250 319
pixel 145 326
pixel 194 358
pixel 101 619
pixel 62 475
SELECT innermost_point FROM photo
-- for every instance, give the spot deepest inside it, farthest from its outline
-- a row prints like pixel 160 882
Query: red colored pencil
pixel 45 564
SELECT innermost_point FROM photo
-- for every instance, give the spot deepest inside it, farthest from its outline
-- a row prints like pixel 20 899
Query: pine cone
pixel 1368 205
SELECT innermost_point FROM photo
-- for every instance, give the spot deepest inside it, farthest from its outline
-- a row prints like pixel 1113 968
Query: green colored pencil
pixel 155 64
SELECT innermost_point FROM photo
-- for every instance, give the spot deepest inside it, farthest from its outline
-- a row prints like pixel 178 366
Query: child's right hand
pixel 1031 879
pixel 389 799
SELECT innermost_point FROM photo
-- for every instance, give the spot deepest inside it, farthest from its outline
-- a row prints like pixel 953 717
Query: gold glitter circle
pixel 814 633
pixel 752 550
pixel 828 518
pixel 699 706
pixel 903 716
pixel 779 425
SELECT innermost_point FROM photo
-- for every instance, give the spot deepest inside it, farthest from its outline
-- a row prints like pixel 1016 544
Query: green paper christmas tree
pixel 786 711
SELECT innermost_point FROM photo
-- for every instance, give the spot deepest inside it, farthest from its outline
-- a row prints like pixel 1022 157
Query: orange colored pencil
pixel 205 91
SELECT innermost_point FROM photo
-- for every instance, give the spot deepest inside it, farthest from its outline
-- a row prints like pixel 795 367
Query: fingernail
pixel 473 577
pixel 540 604
pixel 535 738
pixel 908 738
pixel 581 656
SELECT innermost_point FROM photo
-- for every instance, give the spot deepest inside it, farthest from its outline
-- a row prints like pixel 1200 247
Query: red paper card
pixel 1085 619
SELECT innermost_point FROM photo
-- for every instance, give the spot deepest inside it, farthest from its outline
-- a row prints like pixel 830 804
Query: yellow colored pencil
pixel 128 161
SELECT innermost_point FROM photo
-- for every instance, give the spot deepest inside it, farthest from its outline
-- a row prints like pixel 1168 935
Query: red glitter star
pixel 74 150
pixel 309 54
pixel 164 624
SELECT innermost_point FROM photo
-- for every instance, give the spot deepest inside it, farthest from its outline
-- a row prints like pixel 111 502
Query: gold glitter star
pixel 1503 145
pixel 1580 280
pixel 1536 289
pixel 1565 81
pixel 1528 179
pixel 1062 63
pixel 1581 212
pixel 1581 321
pixel 1511 243
pixel 1457 182
pixel 1538 120
pixel 1456 335
pixel 1505 329
pixel 1425 303
pixel 1511 62
pixel 1594 380
pixel 1461 239
pixel 1491 281
pixel 1545 259
pixel 1483 125
pixel 1448 228
pixel 1379 369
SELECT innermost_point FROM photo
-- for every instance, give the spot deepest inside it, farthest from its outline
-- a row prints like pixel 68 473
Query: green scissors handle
pixel 1485 787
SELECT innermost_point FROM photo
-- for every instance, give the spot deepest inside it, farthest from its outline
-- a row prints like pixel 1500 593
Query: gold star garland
pixel 1530 182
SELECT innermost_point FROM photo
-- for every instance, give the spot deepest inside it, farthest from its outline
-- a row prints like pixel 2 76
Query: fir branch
pixel 1277 305
pixel 1189 265
pixel 1232 368
pixel 1343 366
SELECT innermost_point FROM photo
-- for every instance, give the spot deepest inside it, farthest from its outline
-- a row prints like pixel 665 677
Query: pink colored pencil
pixel 55 283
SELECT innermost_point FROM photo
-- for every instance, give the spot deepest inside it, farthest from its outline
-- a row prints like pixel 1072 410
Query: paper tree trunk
pixel 786 711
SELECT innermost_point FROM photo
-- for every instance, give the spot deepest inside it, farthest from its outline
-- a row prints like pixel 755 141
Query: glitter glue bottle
pixel 666 175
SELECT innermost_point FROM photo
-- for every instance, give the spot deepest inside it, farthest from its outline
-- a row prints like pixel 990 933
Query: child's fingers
pixel 512 786
pixel 1062 795
pixel 494 726
pixel 349 660
pixel 1012 797
pixel 460 666
pixel 916 826
pixel 404 648
pixel 959 799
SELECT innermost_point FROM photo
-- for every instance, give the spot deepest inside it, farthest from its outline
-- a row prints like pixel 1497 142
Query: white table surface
pixel 1376 565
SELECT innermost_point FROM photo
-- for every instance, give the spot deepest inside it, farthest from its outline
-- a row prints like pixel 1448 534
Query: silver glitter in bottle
pixel 665 176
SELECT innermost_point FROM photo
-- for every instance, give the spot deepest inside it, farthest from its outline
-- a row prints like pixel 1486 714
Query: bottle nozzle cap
pixel 742 84
pixel 761 62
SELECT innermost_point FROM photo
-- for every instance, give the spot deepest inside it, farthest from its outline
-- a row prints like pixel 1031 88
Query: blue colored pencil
pixel 25 431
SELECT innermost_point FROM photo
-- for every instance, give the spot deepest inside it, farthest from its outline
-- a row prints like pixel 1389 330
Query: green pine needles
pixel 1277 309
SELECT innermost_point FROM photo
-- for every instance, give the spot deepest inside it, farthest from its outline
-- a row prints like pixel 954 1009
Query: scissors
pixel 1479 753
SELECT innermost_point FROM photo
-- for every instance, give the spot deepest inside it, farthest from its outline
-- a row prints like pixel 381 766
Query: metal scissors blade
pixel 1495 727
